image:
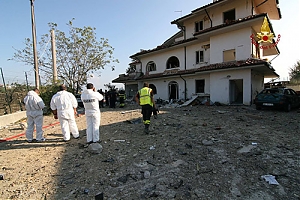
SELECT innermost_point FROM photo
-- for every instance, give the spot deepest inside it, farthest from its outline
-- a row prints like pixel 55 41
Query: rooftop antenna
pixel 179 11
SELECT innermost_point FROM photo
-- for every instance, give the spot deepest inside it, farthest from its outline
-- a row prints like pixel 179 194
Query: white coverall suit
pixel 90 101
pixel 34 110
pixel 65 102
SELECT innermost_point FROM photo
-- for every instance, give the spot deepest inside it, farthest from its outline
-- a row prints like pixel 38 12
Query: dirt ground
pixel 193 152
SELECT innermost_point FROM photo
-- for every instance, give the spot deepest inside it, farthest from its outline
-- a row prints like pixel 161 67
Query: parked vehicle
pixel 283 98
pixel 79 101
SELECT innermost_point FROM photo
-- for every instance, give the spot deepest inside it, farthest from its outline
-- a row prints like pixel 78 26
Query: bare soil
pixel 193 152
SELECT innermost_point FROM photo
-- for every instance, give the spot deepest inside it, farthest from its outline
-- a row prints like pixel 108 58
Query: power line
pixel 179 11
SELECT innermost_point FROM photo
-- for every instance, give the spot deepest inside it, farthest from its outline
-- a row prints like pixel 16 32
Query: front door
pixel 173 90
pixel 236 91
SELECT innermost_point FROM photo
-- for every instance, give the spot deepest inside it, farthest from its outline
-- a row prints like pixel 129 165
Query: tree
pixel 79 54
pixel 13 97
pixel 295 73
pixel 46 93
pixel 131 69
pixel 110 86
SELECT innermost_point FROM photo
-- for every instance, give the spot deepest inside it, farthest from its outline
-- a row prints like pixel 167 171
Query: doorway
pixel 236 91
pixel 153 87
pixel 173 90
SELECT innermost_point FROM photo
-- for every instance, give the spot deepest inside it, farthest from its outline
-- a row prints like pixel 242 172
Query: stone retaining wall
pixel 11 118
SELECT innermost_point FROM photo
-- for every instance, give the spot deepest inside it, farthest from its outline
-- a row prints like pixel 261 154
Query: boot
pixel 146 130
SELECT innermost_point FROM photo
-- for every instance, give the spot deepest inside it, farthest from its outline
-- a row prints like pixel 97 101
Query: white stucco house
pixel 219 52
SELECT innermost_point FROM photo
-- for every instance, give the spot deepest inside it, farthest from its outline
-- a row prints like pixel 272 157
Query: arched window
pixel 151 66
pixel 172 62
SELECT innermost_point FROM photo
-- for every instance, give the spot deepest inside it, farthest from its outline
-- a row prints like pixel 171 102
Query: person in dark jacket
pixel 113 98
pixel 106 94
pixel 101 102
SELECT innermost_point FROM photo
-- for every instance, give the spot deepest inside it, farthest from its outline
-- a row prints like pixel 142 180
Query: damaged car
pixel 279 98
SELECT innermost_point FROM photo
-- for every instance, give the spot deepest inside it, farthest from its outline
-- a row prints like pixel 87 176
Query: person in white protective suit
pixel 63 105
pixel 34 105
pixel 90 99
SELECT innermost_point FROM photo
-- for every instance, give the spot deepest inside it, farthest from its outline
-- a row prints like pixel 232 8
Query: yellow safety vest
pixel 145 96
pixel 122 96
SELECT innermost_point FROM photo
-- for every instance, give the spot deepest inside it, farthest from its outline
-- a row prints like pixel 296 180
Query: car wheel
pixel 288 107
pixel 257 107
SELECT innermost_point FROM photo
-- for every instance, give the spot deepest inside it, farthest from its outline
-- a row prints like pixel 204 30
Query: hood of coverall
pixel 32 93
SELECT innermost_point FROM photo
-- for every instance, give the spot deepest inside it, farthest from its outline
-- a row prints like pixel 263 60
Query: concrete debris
pixel 207 142
pixel 147 174
pixel 246 149
pixel 270 179
pixel 130 111
pixel 152 147
pixel 189 101
pixel 221 111
pixel 124 179
pixel 119 140
pixel 95 148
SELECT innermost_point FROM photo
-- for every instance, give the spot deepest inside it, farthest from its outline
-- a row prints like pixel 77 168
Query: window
pixel 172 62
pixel 229 55
pixel 287 92
pixel 198 26
pixel 199 57
pixel 200 86
pixel 229 16
pixel 293 92
pixel 151 66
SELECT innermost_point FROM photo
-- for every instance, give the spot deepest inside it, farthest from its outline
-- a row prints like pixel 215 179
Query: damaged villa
pixel 221 52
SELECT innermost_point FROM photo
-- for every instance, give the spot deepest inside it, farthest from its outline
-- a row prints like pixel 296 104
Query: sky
pixel 128 25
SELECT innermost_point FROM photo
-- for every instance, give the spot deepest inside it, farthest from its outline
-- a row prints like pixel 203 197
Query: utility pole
pixel 36 66
pixel 7 99
pixel 53 57
pixel 26 82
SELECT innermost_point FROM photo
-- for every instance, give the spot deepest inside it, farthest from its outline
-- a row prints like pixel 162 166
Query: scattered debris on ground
pixel 193 152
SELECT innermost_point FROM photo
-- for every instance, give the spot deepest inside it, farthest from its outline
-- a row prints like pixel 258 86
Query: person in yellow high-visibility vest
pixel 122 97
pixel 144 98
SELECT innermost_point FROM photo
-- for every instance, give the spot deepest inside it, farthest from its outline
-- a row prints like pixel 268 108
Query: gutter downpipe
pixel 261 3
pixel 184 37
pixel 277 50
pixel 208 17
pixel 185 89
pixel 274 57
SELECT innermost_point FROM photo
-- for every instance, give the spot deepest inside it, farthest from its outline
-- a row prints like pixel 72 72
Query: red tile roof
pixel 240 20
pixel 207 68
